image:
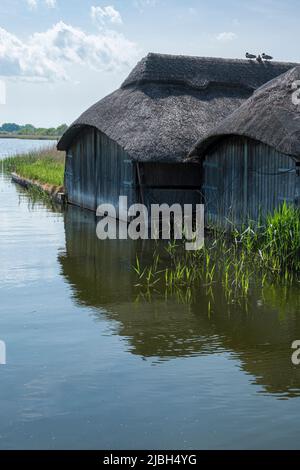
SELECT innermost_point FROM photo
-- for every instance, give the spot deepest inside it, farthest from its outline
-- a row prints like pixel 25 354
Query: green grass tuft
pixel 46 166
pixel 253 256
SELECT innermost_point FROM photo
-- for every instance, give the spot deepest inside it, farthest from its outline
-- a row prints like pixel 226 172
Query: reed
pixel 281 240
pixel 45 166
pixel 254 255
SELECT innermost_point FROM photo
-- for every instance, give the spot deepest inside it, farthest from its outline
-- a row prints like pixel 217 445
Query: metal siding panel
pixel 266 186
pixel 112 172
pixel 269 186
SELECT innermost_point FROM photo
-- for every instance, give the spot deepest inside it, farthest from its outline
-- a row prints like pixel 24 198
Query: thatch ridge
pixel 201 72
pixel 268 116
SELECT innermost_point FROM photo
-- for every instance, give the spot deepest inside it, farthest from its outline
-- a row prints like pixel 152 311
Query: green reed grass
pixel 45 166
pixel 254 255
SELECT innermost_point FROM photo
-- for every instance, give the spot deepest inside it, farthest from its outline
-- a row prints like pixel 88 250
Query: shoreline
pixel 56 193
pixel 29 137
pixel 45 166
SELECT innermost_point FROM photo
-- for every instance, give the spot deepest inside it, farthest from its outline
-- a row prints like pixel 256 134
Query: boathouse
pixel 134 142
pixel 251 161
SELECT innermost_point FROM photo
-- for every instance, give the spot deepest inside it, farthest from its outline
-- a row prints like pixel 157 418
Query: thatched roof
pixel 269 116
pixel 167 102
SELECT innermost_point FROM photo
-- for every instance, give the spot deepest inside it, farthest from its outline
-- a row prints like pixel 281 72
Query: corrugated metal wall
pixel 244 179
pixel 80 170
pixel 98 171
pixel 115 172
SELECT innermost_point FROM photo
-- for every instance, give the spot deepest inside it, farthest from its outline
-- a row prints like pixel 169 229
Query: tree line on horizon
pixel 29 129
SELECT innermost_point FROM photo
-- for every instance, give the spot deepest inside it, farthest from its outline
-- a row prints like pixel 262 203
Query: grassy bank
pixel 45 166
pixel 249 257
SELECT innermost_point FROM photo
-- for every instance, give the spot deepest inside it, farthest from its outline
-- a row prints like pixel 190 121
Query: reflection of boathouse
pixel 101 277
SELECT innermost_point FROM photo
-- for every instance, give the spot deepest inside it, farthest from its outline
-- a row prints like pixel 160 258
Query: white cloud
pixel 50 3
pixel 141 4
pixel 226 37
pixel 47 55
pixel 2 92
pixel 32 4
pixel 106 14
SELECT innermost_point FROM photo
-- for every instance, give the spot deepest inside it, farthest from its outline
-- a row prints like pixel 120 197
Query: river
pixel 93 365
pixel 13 146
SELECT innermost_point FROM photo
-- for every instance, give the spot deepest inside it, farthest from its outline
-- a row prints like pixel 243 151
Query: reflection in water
pixel 258 333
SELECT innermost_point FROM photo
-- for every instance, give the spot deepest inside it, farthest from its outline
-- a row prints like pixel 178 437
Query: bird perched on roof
pixel 266 56
pixel 259 59
pixel 250 56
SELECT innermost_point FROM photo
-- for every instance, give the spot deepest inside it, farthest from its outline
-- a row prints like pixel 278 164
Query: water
pixel 12 146
pixel 92 365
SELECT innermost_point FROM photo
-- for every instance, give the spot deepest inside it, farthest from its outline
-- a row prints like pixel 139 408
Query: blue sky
pixel 57 57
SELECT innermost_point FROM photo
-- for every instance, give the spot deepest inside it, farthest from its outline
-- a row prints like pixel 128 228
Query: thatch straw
pixel 269 116
pixel 167 102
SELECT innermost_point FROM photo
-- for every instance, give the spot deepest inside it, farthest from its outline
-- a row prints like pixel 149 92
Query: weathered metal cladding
pixel 221 184
pixel 245 180
pixel 98 171
pixel 272 180
pixel 80 170
pixel 115 172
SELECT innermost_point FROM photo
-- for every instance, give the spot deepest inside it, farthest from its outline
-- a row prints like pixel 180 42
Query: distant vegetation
pixel 14 129
pixel 45 166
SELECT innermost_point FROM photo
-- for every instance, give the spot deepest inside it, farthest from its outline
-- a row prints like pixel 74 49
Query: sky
pixel 58 57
